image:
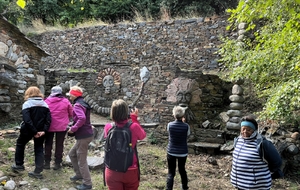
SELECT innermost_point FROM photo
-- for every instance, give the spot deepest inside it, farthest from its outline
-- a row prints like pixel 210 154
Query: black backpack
pixel 118 148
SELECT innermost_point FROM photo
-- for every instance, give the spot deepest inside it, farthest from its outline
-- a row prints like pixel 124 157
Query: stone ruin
pixel 150 83
pixel 20 67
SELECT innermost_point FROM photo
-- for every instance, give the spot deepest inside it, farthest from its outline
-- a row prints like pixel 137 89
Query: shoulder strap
pixel 128 124
pixel 113 125
pixel 235 141
pixel 260 146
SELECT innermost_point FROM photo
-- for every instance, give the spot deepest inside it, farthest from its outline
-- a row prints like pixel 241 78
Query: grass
pixel 153 165
pixel 9 125
pixel 80 70
pixel 39 27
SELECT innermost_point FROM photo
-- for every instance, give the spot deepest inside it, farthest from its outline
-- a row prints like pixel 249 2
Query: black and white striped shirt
pixel 249 171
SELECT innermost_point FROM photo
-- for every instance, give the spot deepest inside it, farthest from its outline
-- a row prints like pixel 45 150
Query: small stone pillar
pixel 236 106
pixel 237 99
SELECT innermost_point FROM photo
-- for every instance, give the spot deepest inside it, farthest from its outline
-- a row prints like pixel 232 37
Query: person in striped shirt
pixel 255 159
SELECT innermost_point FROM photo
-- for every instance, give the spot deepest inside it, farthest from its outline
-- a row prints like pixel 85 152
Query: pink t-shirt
pixel 137 133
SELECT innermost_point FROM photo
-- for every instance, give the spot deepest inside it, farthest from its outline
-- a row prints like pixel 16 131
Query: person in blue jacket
pixel 177 149
pixel 255 159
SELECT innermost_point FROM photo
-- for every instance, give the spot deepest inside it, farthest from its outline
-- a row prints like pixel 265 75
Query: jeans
pixel 172 171
pixel 59 146
pixel 22 140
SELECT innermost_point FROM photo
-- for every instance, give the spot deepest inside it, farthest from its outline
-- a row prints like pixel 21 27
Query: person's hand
pixel 135 111
pixel 39 134
pixel 69 131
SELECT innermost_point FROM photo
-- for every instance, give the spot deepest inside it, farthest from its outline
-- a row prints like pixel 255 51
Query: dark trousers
pixel 172 171
pixel 59 146
pixel 22 141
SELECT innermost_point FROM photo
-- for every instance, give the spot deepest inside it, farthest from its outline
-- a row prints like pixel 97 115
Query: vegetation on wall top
pixel 72 12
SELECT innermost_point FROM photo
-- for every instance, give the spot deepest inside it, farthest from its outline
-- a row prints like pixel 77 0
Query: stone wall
pixel 176 54
pixel 153 103
pixel 174 57
pixel 189 44
pixel 20 67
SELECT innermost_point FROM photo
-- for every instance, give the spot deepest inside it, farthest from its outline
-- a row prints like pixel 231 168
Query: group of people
pixel 45 118
pixel 255 160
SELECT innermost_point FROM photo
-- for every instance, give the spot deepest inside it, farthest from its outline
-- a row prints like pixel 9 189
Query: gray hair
pixel 178 112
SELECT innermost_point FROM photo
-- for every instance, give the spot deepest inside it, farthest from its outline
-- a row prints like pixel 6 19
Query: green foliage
pixel 46 10
pixel 71 12
pixel 152 139
pixel 114 10
pixel 11 11
pixel 148 8
pixel 197 7
pixel 3 5
pixel 70 70
pixel 269 55
pixel 75 11
pixel 5 144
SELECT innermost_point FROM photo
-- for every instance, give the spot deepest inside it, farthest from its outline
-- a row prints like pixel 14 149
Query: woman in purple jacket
pixel 83 131
pixel 61 113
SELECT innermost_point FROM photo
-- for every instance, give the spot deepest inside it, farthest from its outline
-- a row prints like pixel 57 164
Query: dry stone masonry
pixel 188 44
pixel 153 66
pixel 20 67
pixel 236 106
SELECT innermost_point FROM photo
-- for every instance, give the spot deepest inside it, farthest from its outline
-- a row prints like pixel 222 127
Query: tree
pixel 270 57
pixel 72 12
pixel 46 10
pixel 198 7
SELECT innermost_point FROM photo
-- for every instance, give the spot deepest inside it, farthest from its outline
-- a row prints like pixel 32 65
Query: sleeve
pixel 138 131
pixel 107 127
pixel 70 110
pixel 134 118
pixel 273 158
pixel 81 117
pixel 28 121
pixel 47 120
pixel 189 130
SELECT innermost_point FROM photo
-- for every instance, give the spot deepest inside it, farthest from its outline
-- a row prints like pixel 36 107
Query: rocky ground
pixel 204 171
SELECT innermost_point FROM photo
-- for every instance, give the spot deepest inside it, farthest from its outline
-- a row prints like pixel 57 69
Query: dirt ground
pixel 204 171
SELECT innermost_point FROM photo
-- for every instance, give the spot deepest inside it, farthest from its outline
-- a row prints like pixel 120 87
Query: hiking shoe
pixel 35 175
pixel 46 166
pixel 17 167
pixel 57 167
pixel 83 187
pixel 75 178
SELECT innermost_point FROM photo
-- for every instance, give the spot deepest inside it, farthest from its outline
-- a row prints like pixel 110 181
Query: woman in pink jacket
pixel 61 112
